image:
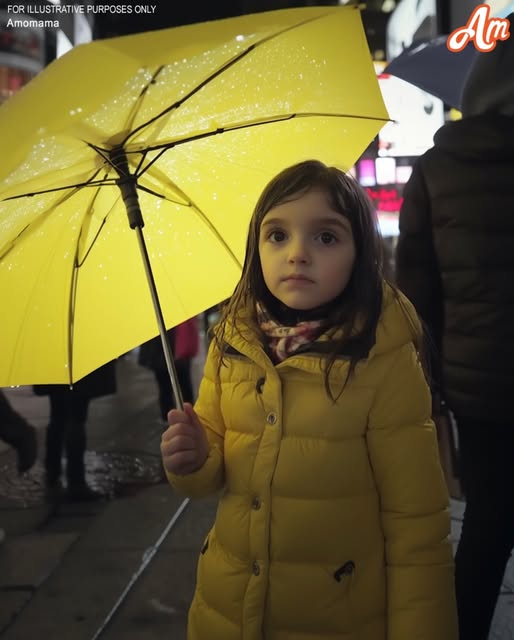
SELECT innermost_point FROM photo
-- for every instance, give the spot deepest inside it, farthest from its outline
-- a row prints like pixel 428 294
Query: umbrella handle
pixel 170 363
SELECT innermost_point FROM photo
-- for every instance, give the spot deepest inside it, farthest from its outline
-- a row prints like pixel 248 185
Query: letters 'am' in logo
pixel 482 29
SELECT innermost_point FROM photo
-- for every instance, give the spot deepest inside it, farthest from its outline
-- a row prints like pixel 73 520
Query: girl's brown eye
pixel 327 238
pixel 277 236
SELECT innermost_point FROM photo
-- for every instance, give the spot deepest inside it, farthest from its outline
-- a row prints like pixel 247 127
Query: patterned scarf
pixel 283 341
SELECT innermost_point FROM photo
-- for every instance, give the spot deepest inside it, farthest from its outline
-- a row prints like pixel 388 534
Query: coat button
pixel 255 568
pixel 346 570
pixel 271 418
pixel 256 504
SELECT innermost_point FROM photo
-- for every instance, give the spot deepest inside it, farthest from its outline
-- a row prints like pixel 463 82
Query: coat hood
pixel 489 87
pixel 399 323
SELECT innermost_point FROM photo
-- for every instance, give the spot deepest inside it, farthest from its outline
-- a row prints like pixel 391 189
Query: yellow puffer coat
pixel 333 521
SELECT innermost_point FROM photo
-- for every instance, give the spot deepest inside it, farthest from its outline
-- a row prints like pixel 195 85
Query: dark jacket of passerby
pixel 98 383
pixel 455 260
pixel 455 253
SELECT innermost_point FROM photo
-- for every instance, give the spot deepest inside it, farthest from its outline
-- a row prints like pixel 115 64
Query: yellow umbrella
pixel 186 125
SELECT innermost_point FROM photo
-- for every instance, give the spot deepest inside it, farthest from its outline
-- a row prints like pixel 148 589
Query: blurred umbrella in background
pixel 186 125
pixel 431 66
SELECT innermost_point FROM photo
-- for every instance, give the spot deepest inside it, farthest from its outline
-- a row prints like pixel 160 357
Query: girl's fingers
pixel 178 429
pixel 177 415
pixel 181 462
pixel 184 445
pixel 178 443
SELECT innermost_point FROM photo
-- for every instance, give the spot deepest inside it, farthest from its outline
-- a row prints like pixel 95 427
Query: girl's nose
pixel 298 253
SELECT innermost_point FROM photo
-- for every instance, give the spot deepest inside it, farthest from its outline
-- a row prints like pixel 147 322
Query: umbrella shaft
pixel 170 364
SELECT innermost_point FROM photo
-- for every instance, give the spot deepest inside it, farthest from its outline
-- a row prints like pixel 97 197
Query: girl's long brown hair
pixel 360 304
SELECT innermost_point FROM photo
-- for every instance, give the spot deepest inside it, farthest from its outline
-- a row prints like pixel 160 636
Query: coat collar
pixel 398 324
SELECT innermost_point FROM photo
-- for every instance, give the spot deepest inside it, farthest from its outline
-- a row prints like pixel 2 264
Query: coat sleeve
pixel 210 477
pixel 417 271
pixel 414 505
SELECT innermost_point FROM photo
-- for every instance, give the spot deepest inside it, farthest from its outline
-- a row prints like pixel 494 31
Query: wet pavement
pixel 123 443
pixel 110 473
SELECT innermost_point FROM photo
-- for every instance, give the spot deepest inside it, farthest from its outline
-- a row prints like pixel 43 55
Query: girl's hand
pixel 184 444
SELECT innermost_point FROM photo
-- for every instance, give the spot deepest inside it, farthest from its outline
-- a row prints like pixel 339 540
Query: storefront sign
pixel 386 199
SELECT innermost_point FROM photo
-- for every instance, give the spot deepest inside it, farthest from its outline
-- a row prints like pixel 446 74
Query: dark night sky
pixel 167 14
pixel 172 13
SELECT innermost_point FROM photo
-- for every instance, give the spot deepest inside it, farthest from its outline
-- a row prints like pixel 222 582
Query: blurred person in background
pixel 66 432
pixel 19 434
pixel 184 342
pixel 455 261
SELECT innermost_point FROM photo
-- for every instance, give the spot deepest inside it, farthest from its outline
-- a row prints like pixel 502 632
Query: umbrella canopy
pixel 431 66
pixel 192 121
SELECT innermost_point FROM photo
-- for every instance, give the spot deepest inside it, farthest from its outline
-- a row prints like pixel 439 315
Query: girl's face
pixel 307 251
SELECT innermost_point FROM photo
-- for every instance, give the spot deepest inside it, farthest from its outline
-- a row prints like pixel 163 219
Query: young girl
pixel 313 418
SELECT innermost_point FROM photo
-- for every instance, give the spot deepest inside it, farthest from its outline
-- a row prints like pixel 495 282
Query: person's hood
pixel 489 86
pixel 487 137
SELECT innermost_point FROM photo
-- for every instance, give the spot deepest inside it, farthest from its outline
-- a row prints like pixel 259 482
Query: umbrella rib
pixel 71 315
pixel 99 230
pixel 210 77
pixel 248 125
pixel 161 196
pixel 179 103
pixel 200 213
pixel 48 211
pixel 216 233
pixel 74 283
pixel 163 147
pixel 77 185
pixel 135 106
pixel 153 161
